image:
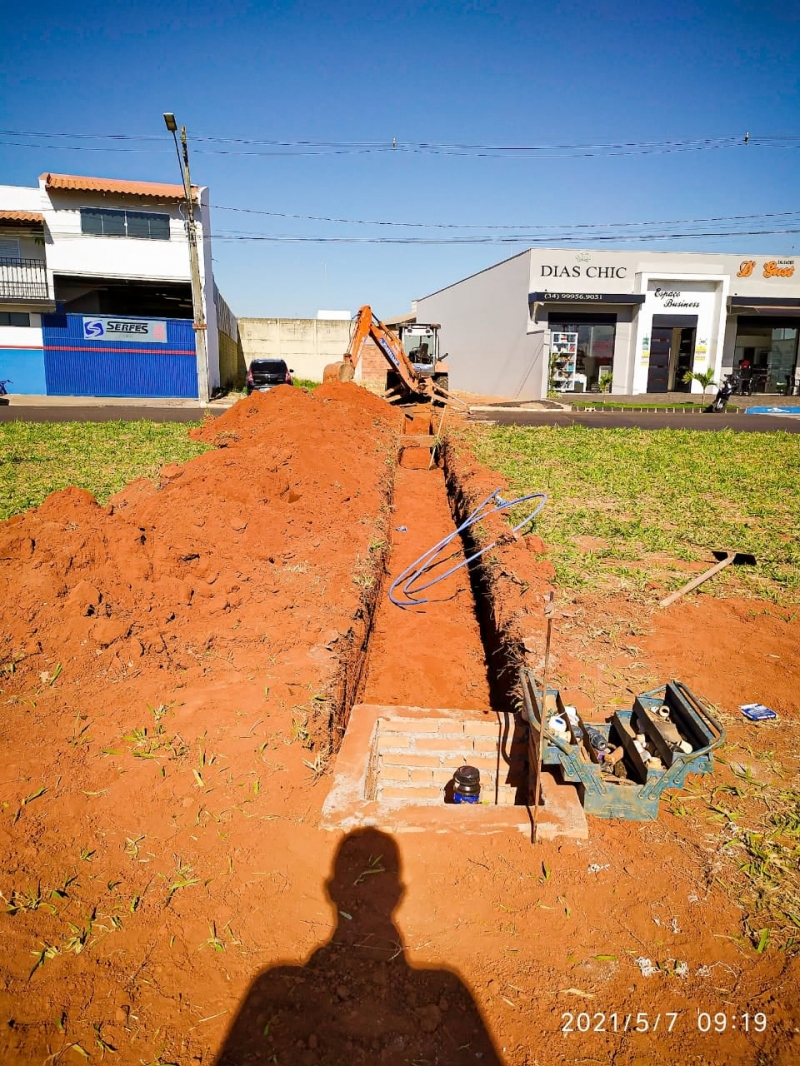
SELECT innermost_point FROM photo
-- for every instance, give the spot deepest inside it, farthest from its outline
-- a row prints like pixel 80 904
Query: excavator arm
pixel 366 324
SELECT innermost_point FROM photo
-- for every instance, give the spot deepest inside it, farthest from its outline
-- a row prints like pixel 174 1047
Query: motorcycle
pixel 731 384
pixel 4 390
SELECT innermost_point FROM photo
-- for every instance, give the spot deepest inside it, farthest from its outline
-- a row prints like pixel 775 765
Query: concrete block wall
pixel 232 369
pixel 414 759
pixel 307 344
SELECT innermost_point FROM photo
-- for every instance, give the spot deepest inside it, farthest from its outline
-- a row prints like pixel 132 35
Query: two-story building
pixel 643 322
pixel 95 289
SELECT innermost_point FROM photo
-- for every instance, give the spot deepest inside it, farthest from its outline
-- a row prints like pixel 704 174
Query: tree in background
pixel 706 379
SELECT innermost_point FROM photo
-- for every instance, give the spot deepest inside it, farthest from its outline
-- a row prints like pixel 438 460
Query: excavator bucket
pixel 341 371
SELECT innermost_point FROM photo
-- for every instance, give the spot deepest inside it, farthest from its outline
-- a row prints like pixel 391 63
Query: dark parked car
pixel 265 374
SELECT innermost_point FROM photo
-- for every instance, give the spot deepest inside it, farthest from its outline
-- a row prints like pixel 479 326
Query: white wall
pixel 71 252
pixel 485 332
pixel 203 226
pixel 690 294
pixel 307 344
pixel 20 198
pixel 22 336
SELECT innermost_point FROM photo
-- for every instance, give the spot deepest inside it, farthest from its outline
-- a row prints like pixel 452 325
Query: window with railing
pixel 23 279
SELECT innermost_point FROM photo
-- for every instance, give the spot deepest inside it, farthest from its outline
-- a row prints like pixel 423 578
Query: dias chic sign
pixel 549 270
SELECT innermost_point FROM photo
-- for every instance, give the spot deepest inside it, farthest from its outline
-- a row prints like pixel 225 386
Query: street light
pixel 199 323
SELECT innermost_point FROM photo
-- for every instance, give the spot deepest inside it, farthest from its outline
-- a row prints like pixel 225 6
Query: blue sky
pixel 477 73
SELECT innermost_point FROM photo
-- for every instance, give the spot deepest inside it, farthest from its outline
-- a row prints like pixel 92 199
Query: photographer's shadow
pixel 357 1000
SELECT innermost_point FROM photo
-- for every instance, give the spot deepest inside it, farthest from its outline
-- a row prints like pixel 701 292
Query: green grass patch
pixel 37 458
pixel 759 836
pixel 678 493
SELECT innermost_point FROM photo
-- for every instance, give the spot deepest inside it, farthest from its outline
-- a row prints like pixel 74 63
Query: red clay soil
pixel 673 891
pixel 166 666
pixel 169 667
pixel 429 655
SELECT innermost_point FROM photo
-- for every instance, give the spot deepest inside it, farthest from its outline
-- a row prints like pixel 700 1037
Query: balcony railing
pixel 23 279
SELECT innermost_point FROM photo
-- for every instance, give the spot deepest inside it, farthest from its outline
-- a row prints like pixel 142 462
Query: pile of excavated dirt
pixel 250 535
pixel 170 665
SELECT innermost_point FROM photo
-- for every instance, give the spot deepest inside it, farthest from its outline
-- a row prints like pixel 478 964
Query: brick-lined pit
pixel 413 760
pixel 411 803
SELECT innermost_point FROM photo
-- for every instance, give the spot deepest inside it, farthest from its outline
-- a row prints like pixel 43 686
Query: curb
pixel 695 409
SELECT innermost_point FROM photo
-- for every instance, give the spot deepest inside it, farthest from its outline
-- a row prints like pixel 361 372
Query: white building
pixel 565 319
pixel 95 293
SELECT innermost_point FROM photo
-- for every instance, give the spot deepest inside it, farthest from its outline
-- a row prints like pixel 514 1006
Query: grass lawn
pixel 652 495
pixel 37 458
pixel 624 505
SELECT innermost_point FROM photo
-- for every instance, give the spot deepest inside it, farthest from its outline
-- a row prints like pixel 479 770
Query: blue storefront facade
pixel 96 355
pixel 22 366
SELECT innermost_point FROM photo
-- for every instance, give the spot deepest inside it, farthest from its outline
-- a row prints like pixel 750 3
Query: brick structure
pixel 373 365
pixel 395 770
pixel 413 760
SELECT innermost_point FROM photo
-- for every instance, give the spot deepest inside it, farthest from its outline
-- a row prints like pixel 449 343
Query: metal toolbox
pixel 635 798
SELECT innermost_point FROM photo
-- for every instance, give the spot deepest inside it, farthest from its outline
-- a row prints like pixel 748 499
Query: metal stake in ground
pixel 537 786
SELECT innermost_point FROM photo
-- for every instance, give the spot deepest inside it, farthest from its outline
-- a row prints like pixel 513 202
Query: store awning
pixel 586 297
pixel 763 305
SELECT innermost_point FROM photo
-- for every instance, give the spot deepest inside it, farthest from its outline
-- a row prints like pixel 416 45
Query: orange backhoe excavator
pixel 406 380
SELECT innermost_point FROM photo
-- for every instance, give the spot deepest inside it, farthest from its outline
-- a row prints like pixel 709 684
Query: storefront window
pixel 595 346
pixel 766 355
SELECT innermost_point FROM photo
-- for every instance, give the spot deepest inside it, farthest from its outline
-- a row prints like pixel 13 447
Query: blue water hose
pixel 417 570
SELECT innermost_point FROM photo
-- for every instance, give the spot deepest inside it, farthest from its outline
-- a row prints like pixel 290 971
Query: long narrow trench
pixel 440 667
pixel 430 655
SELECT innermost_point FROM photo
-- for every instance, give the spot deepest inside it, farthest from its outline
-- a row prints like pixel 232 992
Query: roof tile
pixel 22 216
pixel 152 189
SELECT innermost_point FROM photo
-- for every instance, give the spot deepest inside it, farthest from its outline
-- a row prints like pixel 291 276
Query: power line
pixel 271 147
pixel 525 239
pixel 493 226
pixel 82 148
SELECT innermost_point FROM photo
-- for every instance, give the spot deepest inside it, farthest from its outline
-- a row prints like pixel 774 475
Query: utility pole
pixel 199 323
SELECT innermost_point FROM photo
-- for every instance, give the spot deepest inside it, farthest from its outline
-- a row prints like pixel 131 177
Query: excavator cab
pixel 421 344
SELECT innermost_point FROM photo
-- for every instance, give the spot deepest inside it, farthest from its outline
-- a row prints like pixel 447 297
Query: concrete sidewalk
pixel 677 399
pixel 20 400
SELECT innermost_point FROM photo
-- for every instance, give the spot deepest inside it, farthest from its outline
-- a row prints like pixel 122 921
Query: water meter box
pixel 671 718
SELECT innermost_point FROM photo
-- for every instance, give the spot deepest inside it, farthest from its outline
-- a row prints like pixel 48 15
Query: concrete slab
pixel 347 806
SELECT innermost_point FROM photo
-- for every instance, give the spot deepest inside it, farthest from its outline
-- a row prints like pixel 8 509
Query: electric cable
pixel 523 239
pixel 417 570
pixel 249 146
pixel 502 226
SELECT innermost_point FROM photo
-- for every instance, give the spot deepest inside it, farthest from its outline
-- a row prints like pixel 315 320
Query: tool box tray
pixel 635 798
